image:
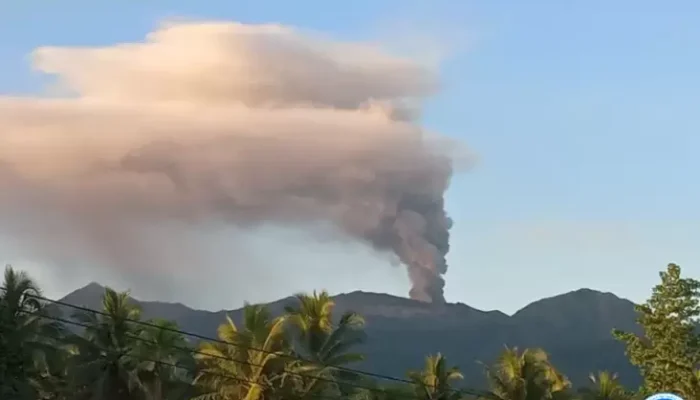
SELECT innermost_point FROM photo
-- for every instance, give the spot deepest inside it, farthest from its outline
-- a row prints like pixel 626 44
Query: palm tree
pixel 322 345
pixel 250 364
pixel 605 386
pixel 434 381
pixel 28 338
pixel 107 360
pixel 526 375
pixel 163 357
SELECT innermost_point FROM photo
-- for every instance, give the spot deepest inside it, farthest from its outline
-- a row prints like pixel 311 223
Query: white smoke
pixel 223 124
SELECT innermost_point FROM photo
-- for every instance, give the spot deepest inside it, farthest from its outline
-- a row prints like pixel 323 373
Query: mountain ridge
pixel 573 327
pixel 96 287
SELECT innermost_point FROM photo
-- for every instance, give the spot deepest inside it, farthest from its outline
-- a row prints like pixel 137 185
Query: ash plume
pixel 212 123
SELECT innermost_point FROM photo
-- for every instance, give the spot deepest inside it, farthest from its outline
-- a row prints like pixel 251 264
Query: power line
pixel 195 351
pixel 194 372
pixel 233 377
pixel 466 391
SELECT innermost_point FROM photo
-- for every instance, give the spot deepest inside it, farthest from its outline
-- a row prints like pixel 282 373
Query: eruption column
pixel 222 123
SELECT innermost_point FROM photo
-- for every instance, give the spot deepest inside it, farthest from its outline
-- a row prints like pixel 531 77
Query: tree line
pixel 306 353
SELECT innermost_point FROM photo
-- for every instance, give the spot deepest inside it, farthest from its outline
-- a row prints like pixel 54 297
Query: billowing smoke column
pixel 218 123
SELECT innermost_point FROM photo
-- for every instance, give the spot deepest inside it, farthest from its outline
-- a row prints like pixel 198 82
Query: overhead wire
pixel 464 391
pixel 193 371
pixel 193 351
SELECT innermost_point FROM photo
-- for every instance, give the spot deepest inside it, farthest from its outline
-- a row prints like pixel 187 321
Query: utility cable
pixel 467 391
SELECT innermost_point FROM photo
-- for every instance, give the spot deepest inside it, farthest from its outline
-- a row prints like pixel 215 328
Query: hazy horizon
pixel 584 141
pixel 235 307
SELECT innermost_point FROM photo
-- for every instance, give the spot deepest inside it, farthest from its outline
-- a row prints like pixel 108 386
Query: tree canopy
pixel 306 352
pixel 668 354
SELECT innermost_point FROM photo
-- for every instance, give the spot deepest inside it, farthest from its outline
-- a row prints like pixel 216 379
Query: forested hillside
pixel 100 344
pixel 573 326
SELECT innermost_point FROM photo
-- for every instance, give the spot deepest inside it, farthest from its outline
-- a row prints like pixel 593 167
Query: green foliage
pixel 668 355
pixel 250 364
pixel 605 386
pixel 26 339
pixel 320 346
pixel 164 361
pixel 297 355
pixel 526 375
pixel 434 382
pixel 117 358
pixel 302 354
pixel 105 360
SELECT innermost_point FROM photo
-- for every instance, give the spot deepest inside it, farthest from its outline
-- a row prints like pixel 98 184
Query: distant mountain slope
pixel 575 328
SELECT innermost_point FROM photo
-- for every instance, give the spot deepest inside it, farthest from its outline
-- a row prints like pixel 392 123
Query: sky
pixel 581 114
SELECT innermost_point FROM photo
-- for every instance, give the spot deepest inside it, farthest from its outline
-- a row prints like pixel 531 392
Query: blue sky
pixel 581 114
